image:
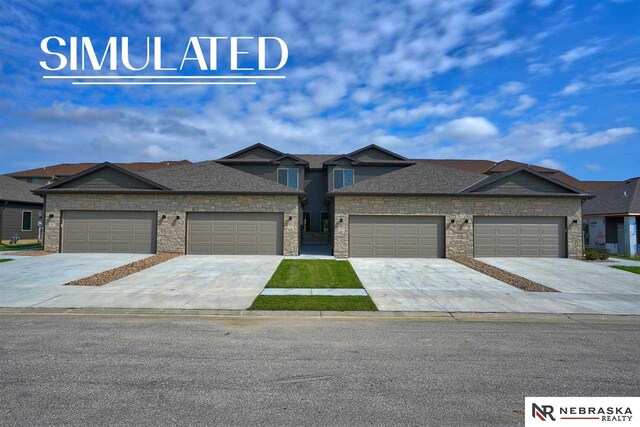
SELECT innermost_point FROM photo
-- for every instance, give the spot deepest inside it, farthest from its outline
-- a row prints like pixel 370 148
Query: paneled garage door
pixel 519 236
pixel 396 236
pixel 234 233
pixel 109 231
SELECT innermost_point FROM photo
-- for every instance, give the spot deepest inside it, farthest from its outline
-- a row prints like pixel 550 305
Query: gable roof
pixel 316 161
pixel 106 165
pixel 623 198
pixel 68 169
pixel 12 190
pixel 419 179
pixel 491 179
pixel 252 147
pixel 377 147
pixel 508 165
pixel 433 179
pixel 297 160
pixel 207 177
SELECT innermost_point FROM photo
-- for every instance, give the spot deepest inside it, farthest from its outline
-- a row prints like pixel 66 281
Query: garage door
pixel 519 236
pixel 234 233
pixel 109 231
pixel 396 236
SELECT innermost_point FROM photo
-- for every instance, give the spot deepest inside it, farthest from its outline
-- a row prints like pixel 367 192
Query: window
pixel 342 178
pixel 26 220
pixel 306 221
pixel 324 222
pixel 33 180
pixel 288 177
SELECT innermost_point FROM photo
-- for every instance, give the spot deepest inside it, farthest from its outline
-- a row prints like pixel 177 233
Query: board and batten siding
pixel 11 221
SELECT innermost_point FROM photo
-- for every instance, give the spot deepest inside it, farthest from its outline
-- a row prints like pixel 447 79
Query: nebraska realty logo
pixel 581 411
pixel 196 63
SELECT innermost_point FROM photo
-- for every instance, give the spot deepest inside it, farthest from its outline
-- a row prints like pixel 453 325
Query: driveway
pixel 26 281
pixel 443 285
pixel 429 284
pixel 570 275
pixel 187 282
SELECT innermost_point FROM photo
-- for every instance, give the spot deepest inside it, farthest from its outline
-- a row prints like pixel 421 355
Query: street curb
pixel 333 315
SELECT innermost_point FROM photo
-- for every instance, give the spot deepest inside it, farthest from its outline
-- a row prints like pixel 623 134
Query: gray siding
pixel 108 179
pixel 374 155
pixel 522 183
pixel 257 153
pixel 315 185
pixel 269 172
pixel 11 221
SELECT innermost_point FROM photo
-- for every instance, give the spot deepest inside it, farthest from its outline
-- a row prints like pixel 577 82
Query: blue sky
pixel 548 82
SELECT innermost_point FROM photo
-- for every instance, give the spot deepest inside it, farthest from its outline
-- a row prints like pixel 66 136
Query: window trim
pixel 287 184
pixel 30 221
pixel 343 169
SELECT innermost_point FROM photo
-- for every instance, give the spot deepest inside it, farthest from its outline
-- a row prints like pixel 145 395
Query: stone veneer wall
pixel 172 232
pixel 458 236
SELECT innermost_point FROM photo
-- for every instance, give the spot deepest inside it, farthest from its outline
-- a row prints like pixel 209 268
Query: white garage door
pixel 519 236
pixel 396 236
pixel 234 233
pixel 109 231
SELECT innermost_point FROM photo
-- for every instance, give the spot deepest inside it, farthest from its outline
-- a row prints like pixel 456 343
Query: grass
pixel 627 268
pixel 19 246
pixel 313 303
pixel 314 274
pixel 630 258
pixel 5 259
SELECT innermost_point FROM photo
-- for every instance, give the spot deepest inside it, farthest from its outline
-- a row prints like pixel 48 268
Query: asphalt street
pixel 124 370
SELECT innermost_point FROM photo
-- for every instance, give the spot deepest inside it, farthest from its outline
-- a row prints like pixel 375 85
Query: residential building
pixel 369 202
pixel 21 211
pixel 612 217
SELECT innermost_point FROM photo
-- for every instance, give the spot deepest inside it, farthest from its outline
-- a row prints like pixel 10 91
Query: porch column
pixel 630 244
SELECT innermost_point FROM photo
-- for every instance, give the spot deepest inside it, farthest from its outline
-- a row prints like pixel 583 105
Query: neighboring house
pixel 611 218
pixel 20 210
pixel 48 174
pixel 370 202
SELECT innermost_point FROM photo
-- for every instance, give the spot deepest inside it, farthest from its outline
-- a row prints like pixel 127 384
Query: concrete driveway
pixel 444 285
pixel 429 284
pixel 570 275
pixel 187 282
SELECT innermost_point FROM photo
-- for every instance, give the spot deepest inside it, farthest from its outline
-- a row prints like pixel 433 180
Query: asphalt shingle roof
pixel 617 199
pixel 421 178
pixel 68 169
pixel 17 191
pixel 212 177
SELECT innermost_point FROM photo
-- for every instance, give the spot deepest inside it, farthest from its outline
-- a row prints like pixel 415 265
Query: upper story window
pixel 33 180
pixel 342 178
pixel 288 177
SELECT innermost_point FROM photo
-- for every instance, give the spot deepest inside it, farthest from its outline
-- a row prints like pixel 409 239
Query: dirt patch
pixel 504 276
pixel 109 276
pixel 28 253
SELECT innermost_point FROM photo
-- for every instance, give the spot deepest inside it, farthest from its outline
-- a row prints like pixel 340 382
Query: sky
pixel 553 83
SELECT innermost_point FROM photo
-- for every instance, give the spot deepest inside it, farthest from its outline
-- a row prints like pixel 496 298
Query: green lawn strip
pixel 627 268
pixel 315 274
pixel 20 246
pixel 313 303
pixel 630 258
pixel 6 259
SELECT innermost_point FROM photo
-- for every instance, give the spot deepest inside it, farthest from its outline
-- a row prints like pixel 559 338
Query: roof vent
pixel 625 194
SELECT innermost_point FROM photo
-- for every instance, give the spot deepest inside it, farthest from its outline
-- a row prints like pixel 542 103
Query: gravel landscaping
pixel 28 253
pixel 504 276
pixel 122 271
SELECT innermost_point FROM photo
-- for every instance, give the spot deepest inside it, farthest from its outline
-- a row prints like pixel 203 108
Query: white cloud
pixel 511 88
pixel 550 163
pixel 541 3
pixel 579 52
pixel 468 129
pixel 573 88
pixel 593 166
pixel 607 137
pixel 524 103
pixel 427 109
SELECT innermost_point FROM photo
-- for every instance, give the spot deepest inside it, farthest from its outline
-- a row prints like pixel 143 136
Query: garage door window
pixel 26 220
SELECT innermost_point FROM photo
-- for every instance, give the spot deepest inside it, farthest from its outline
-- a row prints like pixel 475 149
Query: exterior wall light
pixel 164 216
pixel 453 220
pixel 50 215
pixel 177 217
pixel 290 217
pixel 466 221
pixel 575 221
pixel 340 219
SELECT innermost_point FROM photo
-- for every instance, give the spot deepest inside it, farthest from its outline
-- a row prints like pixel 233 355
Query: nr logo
pixel 542 412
